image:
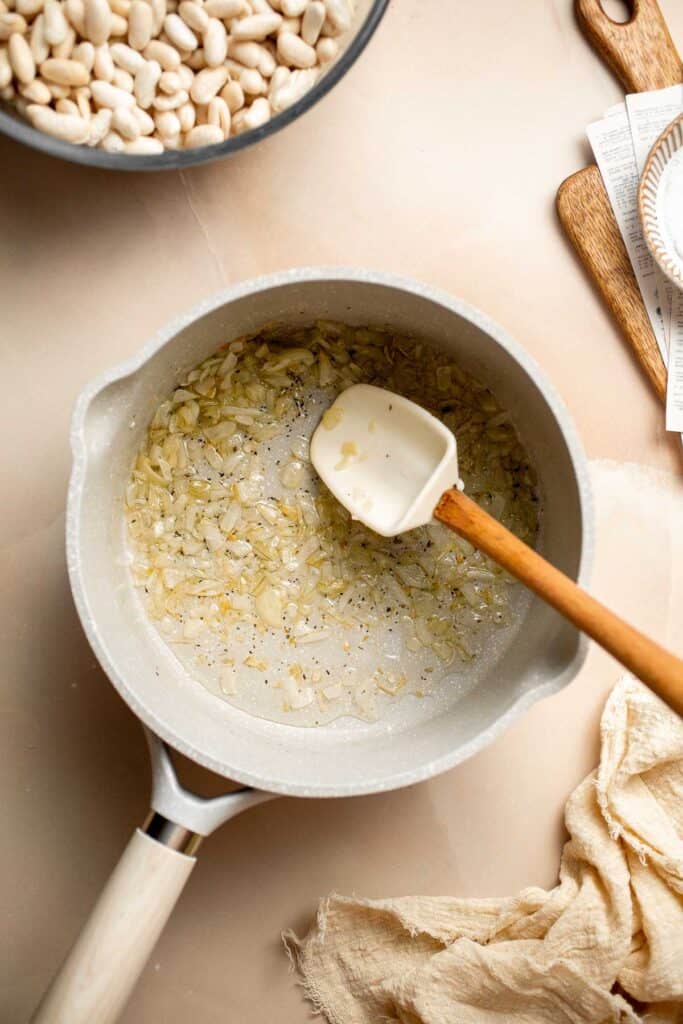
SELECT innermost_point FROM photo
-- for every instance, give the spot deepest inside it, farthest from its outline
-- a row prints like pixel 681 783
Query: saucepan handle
pixel 102 967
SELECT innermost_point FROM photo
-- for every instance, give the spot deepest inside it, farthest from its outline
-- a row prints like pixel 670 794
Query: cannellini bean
pixel 170 82
pixel 145 122
pixel 326 50
pixel 257 28
pixel 62 126
pixel 140 24
pixel 83 104
pixel 279 78
pixel 297 85
pixel 21 59
pixel 67 106
pixel 36 92
pixel 113 143
pixel 58 92
pixel 99 126
pixel 267 63
pixel 28 8
pixel 97 21
pixel 159 12
pixel 123 80
pixel 233 94
pixel 186 76
pixel 39 47
pixel 195 61
pixel 292 25
pixel 339 15
pixel 11 23
pixel 5 69
pixel 218 113
pixel 144 146
pixel 125 123
pixel 187 115
pixel 203 135
pixel 145 83
pixel 64 72
pixel 107 95
pixel 207 84
pixel 103 67
pixel 215 43
pixel 84 53
pixel 126 57
pixel 224 9
pixel 119 26
pixel 170 102
pixel 252 117
pixel 180 34
pixel 293 8
pixel 194 15
pixel 64 49
pixel 247 53
pixel 294 51
pixel 75 14
pixel 171 70
pixel 164 54
pixel 253 83
pixel 168 123
pixel 312 22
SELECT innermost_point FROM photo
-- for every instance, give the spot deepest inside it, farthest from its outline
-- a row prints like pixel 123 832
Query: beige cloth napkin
pixel 611 928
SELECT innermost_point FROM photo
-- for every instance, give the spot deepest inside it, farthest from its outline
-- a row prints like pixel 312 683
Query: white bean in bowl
pixel 219 67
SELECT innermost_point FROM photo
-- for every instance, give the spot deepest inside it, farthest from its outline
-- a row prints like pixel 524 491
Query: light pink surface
pixel 438 156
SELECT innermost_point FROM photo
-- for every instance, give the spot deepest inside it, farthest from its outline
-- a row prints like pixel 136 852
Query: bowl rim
pixel 430 767
pixel 673 270
pixel 21 131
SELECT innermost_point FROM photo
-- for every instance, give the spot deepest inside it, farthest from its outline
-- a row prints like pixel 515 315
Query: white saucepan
pixel 345 758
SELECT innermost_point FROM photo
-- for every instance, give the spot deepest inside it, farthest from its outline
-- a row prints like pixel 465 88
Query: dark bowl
pixel 17 128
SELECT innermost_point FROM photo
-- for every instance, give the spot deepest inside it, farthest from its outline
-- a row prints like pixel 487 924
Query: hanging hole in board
pixel 618 11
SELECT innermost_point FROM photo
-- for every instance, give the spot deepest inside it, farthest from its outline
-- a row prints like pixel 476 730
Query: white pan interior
pixel 419 738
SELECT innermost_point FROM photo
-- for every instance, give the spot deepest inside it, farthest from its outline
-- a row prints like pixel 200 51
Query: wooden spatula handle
pixel 661 670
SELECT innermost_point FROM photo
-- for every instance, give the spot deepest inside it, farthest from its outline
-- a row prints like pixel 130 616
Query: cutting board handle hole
pixel 618 11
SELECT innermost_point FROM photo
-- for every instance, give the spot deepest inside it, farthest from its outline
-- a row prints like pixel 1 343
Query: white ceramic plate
pixel 650 198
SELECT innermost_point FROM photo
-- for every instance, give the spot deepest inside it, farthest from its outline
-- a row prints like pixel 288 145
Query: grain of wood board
pixel 643 56
pixel 640 52
pixel 586 215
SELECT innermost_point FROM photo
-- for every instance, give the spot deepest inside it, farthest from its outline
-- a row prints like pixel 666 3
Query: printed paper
pixel 615 156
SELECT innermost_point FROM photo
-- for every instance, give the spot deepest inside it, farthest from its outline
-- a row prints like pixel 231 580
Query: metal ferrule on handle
pixel 168 833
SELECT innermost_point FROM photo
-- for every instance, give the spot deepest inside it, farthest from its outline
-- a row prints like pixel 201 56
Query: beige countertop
pixel 438 156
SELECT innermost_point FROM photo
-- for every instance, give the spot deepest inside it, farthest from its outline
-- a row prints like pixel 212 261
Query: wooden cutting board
pixel 643 56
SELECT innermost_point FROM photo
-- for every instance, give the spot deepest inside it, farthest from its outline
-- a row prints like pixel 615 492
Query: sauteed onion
pixel 232 536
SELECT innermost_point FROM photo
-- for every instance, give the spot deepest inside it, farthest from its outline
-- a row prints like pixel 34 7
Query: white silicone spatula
pixel 395 467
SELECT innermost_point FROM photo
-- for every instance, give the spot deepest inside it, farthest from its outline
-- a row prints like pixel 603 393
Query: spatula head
pixel 385 458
